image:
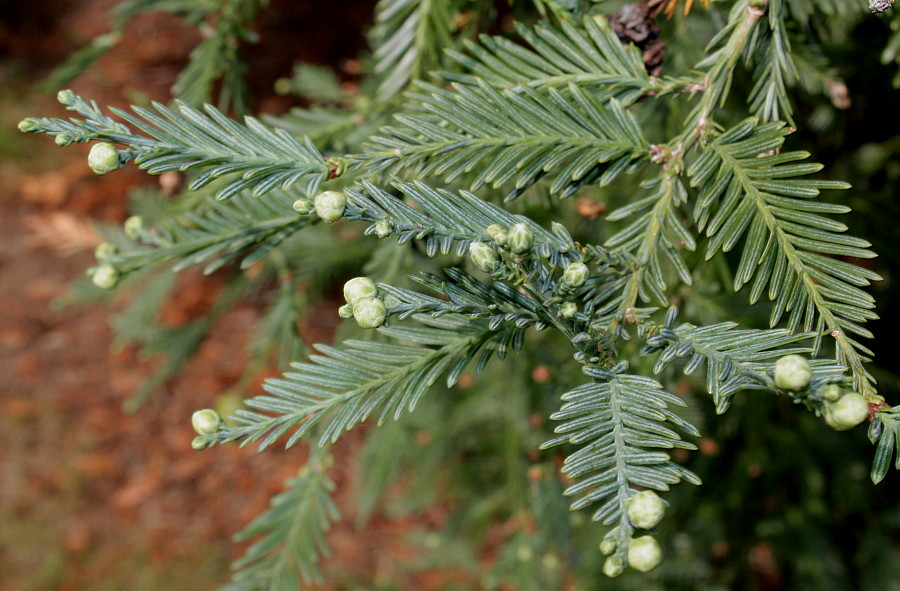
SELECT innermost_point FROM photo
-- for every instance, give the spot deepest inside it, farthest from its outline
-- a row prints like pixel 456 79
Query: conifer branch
pixel 736 35
pixel 244 225
pixel 291 534
pixel 619 424
pixel 735 359
pixel 591 58
pixel 216 58
pixel 446 221
pixel 776 69
pixel 407 41
pixel 252 156
pixel 654 240
pixel 343 385
pixel 512 137
pixel 789 246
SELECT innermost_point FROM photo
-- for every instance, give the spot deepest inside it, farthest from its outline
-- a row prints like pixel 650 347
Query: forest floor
pixel 91 497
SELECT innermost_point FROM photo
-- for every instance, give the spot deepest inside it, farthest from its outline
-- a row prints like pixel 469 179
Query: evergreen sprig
pixel 776 70
pixel 448 222
pixel 592 58
pixel 244 226
pixel 750 190
pixel 735 359
pixel 619 423
pixel 253 156
pixel 515 136
pixel 655 238
pixel 407 41
pixel 344 385
pixel 291 534
pixel 464 294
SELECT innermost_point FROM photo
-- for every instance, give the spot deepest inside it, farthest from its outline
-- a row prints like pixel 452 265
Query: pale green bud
pixel 792 372
pixel 524 553
pixel 575 274
pixel 851 410
pixel 568 310
pixel 383 229
pixel 66 97
pixel 369 313
pixel 645 509
pixel 283 86
pixel 345 311
pixel 303 206
pixel 359 288
pixel 497 234
pixel 644 554
pixel 520 238
pixel 134 227
pixel 484 257
pixel 200 442
pixel 608 546
pixel 104 158
pixel 206 421
pixel 330 206
pixel 29 125
pixel 63 139
pixel 105 251
pixel 105 277
pixel 613 567
pixel 550 562
pixel 831 392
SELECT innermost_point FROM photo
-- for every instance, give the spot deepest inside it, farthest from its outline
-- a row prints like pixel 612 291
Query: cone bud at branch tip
pixel 383 229
pixel 29 125
pixel 104 158
pixel 519 239
pixel 199 443
pixel 831 393
pixel 134 227
pixel 370 313
pixel 359 288
pixel 330 206
pixel 607 547
pixel 849 411
pixel 792 372
pixel 575 274
pixel 484 257
pixel 645 509
pixel 303 206
pixel 206 421
pixel 66 97
pixel 568 310
pixel 105 250
pixel 644 554
pixel 105 277
pixel 613 567
pixel 497 234
pixel 345 311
